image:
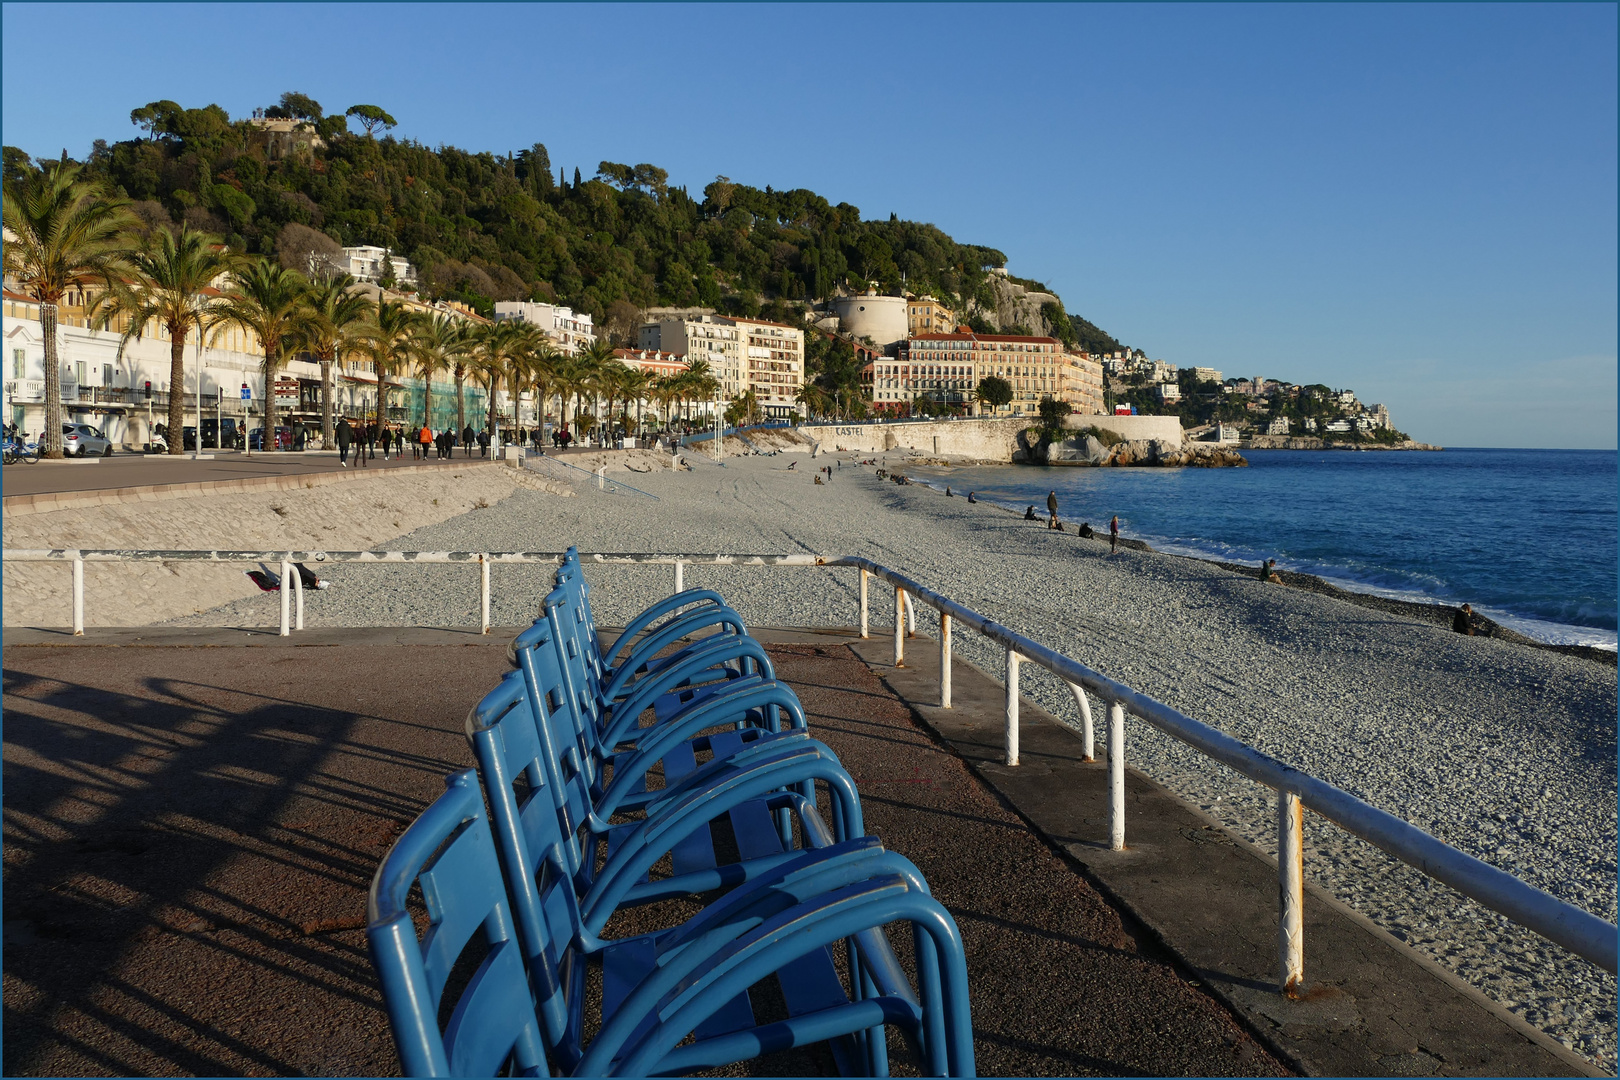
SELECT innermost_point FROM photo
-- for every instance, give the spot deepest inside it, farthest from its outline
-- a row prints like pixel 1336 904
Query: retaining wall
pixel 988 440
pixel 1167 428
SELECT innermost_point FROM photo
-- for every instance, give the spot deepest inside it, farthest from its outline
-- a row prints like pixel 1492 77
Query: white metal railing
pixel 1574 928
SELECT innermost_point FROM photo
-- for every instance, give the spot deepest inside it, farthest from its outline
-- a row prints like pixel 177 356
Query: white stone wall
pixel 1165 428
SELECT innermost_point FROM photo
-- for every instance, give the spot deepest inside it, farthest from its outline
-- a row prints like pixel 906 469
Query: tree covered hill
pixel 485 227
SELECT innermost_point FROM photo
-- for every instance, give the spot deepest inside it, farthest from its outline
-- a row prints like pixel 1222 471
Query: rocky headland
pixel 1093 449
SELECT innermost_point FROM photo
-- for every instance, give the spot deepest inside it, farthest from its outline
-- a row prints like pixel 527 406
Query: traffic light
pixel 149 388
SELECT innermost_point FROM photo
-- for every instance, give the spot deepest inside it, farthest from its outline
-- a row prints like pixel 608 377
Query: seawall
pixel 987 440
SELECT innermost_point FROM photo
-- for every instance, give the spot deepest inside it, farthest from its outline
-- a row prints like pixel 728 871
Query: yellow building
pixel 925 315
pixel 1080 383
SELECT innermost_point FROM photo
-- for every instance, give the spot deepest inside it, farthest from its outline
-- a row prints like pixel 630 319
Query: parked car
pixel 82 440
pixel 284 438
pixel 210 434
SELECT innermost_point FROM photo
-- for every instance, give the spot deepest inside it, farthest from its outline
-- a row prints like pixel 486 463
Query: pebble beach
pixel 1504 751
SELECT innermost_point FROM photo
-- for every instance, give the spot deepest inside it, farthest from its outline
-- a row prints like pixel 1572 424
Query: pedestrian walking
pixel 1051 510
pixel 483 444
pixel 467 439
pixel 362 443
pixel 1113 535
pixel 345 439
pixel 425 437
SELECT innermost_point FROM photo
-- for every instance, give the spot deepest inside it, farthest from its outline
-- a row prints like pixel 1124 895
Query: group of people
pixel 391 439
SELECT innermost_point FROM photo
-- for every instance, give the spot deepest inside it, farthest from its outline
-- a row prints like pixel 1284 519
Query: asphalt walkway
pixel 190 830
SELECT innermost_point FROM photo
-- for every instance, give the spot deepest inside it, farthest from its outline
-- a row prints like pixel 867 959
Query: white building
pixel 884 319
pixel 1169 392
pixel 1278 426
pixel 366 264
pixel 126 395
pixel 714 339
pixel 570 331
pixel 1206 374
pixel 1338 425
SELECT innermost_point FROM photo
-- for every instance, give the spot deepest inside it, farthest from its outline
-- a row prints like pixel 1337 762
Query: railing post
pixel 911 616
pixel 78 595
pixel 298 597
pixel 1116 776
pixel 864 576
pixel 899 627
pixel 944 660
pixel 285 595
pixel 1012 707
pixel 1291 889
pixel 1086 740
pixel 483 567
pixel 680 577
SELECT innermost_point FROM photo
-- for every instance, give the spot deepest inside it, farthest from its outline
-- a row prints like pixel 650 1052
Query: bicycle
pixel 14 450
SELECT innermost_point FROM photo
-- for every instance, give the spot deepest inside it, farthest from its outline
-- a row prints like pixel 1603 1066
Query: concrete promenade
pixel 193 816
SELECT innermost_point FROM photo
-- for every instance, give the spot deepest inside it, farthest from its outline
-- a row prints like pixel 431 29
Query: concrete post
pixel 1086 739
pixel 899 627
pixel 864 633
pixel 298 599
pixel 1116 776
pixel 286 597
pixel 680 576
pixel 78 596
pixel 944 660
pixel 483 574
pixel 1011 707
pixel 1291 889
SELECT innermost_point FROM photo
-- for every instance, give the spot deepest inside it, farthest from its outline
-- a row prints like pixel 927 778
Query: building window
pixel 19 363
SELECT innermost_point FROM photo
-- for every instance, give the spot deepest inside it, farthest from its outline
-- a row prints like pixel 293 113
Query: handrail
pixel 1572 927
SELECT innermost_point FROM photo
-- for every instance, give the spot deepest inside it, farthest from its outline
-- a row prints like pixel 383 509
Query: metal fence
pixel 1571 927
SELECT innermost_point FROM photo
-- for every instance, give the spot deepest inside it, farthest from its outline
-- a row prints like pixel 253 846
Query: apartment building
pixel 948 368
pixel 657 361
pixel 773 364
pixel 366 263
pixel 1081 383
pixel 925 315
pixel 1206 374
pixel 714 339
pixel 569 330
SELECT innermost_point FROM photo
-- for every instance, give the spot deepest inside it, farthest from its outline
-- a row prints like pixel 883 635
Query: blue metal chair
pixel 560 929
pixel 449 851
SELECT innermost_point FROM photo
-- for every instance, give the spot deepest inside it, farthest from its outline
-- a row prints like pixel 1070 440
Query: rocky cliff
pixel 1087 450
pixel 1014 306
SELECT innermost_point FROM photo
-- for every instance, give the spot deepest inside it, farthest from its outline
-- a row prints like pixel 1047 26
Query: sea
pixel 1528 537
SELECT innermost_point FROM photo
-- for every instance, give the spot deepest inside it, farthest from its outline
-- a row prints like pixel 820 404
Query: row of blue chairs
pixel 488 912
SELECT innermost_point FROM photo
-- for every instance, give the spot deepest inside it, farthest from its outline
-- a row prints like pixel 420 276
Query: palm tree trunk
pixel 267 441
pixel 461 400
pixel 50 440
pixel 177 391
pixel 427 401
pixel 328 426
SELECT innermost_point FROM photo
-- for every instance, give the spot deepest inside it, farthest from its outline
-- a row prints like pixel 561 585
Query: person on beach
pixel 1113 535
pixel 792 465
pixel 1463 623
pixel 948 494
pixel 1029 514
pixel 1267 568
pixel 971 499
pixel 345 439
pixel 1085 531
pixel 1051 510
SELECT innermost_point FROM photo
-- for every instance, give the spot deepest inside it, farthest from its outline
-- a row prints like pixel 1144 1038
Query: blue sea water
pixel 1526 536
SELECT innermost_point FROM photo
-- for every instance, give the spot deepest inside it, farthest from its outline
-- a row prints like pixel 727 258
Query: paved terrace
pixel 192 818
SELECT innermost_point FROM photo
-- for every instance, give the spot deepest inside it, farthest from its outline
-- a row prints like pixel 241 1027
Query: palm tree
pixel 441 343
pixel 542 370
pixel 271 302
pixel 601 363
pixel 390 345
pixel 65 233
pixel 336 327
pixel 639 384
pixel 165 286
pixel 498 346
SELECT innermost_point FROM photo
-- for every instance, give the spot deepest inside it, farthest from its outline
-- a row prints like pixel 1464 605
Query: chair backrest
pixel 448 850
pixel 539 852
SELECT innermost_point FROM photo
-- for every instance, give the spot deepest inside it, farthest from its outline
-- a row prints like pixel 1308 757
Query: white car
pixel 82 440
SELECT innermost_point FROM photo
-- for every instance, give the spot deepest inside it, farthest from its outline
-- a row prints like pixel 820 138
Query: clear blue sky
pixel 1418 203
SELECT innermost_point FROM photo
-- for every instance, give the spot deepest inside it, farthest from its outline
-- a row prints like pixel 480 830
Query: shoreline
pixel 1434 612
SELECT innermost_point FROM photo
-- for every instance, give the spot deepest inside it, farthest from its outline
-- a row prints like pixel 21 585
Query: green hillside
pixel 486 227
